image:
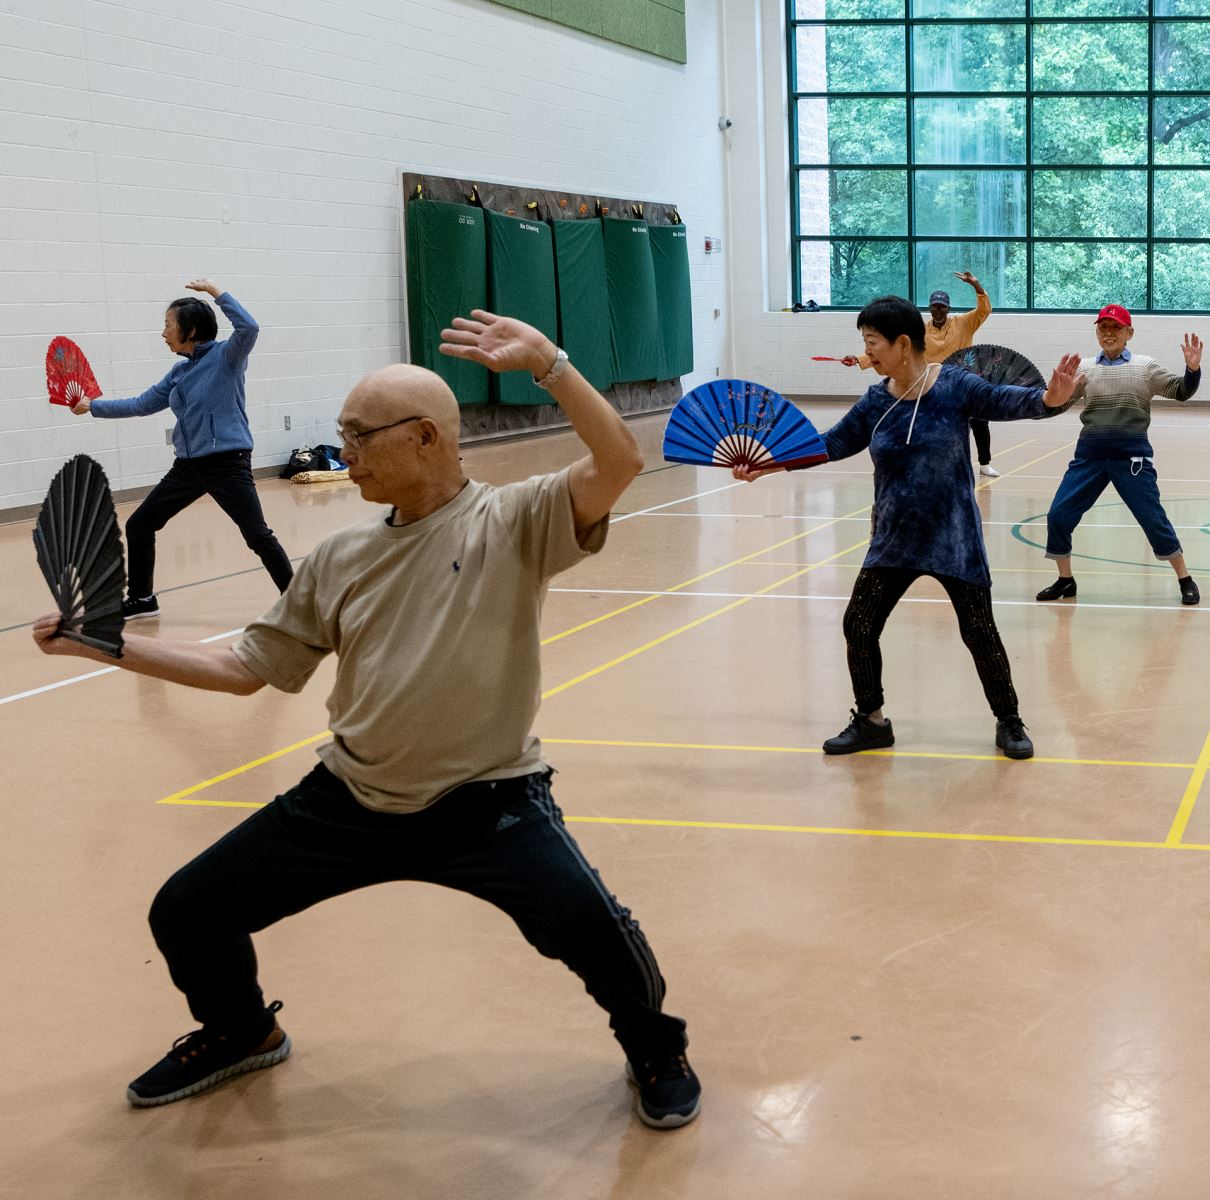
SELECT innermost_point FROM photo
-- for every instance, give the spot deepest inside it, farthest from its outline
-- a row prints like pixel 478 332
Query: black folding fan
pixel 997 364
pixel 80 553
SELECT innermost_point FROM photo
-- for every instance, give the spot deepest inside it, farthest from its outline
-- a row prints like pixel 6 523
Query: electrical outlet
pixel 287 422
pixel 167 437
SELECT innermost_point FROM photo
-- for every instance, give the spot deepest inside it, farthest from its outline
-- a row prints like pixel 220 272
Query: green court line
pixel 1122 562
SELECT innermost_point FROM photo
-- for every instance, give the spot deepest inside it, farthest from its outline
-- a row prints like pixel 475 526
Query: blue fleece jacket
pixel 925 515
pixel 205 392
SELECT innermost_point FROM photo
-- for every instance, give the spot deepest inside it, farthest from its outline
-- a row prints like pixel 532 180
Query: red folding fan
pixel 69 378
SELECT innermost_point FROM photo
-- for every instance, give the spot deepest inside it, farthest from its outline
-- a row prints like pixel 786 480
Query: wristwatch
pixel 556 371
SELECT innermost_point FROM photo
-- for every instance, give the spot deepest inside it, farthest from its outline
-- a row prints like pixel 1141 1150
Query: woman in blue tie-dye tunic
pixel 915 425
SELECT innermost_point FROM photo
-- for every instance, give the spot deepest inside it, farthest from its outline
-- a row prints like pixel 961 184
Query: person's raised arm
pixel 970 321
pixel 1178 387
pixel 210 667
pixel 243 323
pixel 613 460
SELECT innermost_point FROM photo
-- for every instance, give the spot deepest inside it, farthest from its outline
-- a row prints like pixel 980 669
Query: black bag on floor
pixel 312 458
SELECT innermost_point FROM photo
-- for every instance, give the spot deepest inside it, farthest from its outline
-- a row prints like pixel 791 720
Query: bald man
pixel 432 609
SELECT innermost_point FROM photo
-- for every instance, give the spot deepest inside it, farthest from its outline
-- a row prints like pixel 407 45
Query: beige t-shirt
pixel 435 628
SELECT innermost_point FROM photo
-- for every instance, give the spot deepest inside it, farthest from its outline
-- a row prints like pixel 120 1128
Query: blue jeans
pixel 1135 481
pixel 503 841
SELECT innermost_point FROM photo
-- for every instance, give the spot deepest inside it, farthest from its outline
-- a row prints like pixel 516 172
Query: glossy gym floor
pixel 920 974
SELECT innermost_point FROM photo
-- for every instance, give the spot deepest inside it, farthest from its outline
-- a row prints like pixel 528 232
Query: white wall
pixel 775 347
pixel 143 142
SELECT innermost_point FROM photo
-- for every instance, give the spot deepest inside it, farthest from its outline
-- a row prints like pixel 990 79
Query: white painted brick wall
pixel 143 142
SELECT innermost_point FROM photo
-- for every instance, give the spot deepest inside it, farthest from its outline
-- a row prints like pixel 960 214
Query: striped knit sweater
pixel 1117 404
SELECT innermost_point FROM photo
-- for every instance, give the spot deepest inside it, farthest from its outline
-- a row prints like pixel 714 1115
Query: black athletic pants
pixel 983 440
pixel 503 841
pixel 227 476
pixel 875 594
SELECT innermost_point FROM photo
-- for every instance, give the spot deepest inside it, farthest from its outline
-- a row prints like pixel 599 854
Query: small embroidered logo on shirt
pixel 457 566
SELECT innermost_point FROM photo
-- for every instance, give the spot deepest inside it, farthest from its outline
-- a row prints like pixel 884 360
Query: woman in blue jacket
pixel 915 425
pixel 212 440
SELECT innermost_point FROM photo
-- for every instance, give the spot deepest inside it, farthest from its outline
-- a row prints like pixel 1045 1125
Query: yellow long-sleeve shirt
pixel 956 334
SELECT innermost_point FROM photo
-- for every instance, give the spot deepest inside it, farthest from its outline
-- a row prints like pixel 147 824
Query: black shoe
pixel 669 1094
pixel 860 734
pixel 1189 592
pixel 1012 738
pixel 1063 586
pixel 203 1058
pixel 133 609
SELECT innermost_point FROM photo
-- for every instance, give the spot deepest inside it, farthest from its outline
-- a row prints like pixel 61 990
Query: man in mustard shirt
pixel 943 335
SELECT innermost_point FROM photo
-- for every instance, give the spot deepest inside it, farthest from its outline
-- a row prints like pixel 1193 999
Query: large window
pixel 1058 149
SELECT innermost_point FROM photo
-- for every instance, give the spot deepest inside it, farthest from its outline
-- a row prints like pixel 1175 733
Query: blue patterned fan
pixel 734 423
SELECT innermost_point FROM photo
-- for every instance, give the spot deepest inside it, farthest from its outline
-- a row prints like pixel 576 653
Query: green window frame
pixel 1058 149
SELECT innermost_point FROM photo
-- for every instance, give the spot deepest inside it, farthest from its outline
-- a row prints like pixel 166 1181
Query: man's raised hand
pixel 499 343
pixel 1063 381
pixel 1192 350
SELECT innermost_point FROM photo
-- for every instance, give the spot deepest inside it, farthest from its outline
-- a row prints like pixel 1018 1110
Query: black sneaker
pixel 860 734
pixel 1062 587
pixel 669 1094
pixel 1189 592
pixel 133 609
pixel 1012 738
pixel 203 1058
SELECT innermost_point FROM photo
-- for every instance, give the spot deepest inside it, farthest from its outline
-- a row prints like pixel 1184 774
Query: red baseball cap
pixel 1115 312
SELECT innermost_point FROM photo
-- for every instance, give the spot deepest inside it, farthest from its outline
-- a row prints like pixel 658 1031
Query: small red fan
pixel 69 378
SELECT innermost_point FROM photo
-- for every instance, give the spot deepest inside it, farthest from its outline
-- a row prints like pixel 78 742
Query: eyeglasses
pixel 353 438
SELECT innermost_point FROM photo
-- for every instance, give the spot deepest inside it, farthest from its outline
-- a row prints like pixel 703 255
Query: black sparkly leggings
pixel 875 594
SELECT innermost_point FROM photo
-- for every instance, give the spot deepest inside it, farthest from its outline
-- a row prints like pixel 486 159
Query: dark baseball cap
pixel 940 298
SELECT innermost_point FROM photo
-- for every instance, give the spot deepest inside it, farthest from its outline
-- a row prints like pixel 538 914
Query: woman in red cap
pixel 1113 448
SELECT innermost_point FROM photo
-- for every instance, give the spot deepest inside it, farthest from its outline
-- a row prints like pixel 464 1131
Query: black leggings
pixel 227 476
pixel 983 440
pixel 875 594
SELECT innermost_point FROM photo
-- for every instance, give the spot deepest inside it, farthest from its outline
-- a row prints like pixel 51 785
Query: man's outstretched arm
pixel 212 668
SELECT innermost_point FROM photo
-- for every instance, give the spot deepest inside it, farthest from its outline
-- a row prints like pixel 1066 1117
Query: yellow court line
pixel 179 797
pixel 182 796
pixel 625 608
pixel 739 748
pixel 979 487
pixel 718 612
pixel 916 834
pixel 617 612
pixel 924 835
pixel 1181 821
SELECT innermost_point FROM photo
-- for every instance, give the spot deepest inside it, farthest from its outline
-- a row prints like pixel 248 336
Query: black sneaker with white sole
pixel 201 1059
pixel 133 609
pixel 669 1093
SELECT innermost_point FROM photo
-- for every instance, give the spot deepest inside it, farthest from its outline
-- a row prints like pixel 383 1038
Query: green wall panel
pixel 521 284
pixel 634 323
pixel 447 277
pixel 655 26
pixel 670 259
pixel 583 299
